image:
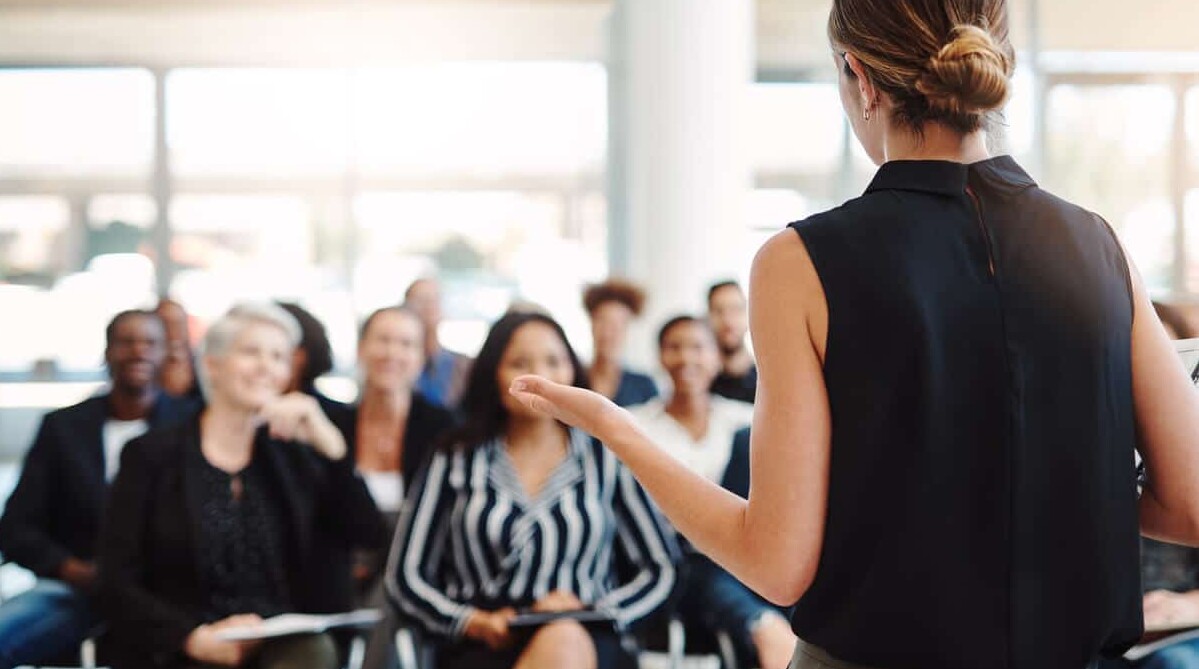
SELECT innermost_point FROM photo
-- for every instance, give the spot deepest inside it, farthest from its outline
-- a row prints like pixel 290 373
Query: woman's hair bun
pixel 969 75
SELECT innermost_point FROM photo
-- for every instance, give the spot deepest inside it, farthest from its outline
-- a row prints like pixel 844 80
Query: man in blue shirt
pixel 444 376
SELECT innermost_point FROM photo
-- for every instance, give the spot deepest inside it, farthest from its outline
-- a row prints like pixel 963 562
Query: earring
pixel 866 113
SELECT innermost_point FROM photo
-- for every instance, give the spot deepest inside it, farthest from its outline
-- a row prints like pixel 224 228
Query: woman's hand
pixel 589 411
pixel 1163 607
pixel 80 574
pixel 557 602
pixel 203 646
pixel 490 627
pixel 298 417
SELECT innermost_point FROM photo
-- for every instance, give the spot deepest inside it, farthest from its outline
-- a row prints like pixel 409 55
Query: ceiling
pixel 790 33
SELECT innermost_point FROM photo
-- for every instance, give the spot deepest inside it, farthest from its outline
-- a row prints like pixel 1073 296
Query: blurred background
pixel 329 153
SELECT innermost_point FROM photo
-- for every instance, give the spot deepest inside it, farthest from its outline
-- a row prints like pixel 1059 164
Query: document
pixel 289 624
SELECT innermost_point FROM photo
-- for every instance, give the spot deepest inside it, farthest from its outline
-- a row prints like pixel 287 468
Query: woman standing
pixel 521 512
pixel 611 306
pixel 954 370
pixel 221 521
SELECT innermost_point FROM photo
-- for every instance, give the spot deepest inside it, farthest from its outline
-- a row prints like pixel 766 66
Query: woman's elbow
pixel 1178 524
pixel 787 586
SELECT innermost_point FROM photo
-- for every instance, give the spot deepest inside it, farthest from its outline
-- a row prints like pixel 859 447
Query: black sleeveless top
pixel 982 508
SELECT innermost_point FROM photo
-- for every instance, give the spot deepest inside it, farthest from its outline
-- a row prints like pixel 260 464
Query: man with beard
pixel 728 315
pixel 51 521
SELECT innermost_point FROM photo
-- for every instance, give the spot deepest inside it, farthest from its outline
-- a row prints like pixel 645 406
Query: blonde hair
pixel 221 334
pixel 940 61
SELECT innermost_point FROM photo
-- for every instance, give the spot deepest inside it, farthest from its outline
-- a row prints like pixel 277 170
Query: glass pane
pixel 1192 198
pixel 242 247
pixel 31 235
pixel 1016 135
pixel 133 209
pixel 1192 231
pixel 481 118
pixel 796 128
pixel 489 248
pixel 120 223
pixel 247 121
pixel 1192 125
pixel 1108 149
pixel 32 238
pixel 76 122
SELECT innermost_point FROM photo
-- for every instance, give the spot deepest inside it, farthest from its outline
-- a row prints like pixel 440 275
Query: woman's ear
pixel 866 87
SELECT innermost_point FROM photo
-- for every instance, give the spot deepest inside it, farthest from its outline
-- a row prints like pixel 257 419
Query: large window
pixel 334 187
pixel 1108 148
pixel 73 122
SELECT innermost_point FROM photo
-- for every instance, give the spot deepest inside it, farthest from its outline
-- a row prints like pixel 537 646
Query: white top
pixel 387 489
pixel 708 456
pixel 117 433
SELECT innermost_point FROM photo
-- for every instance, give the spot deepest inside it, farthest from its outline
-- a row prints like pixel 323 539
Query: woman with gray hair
pixel 229 518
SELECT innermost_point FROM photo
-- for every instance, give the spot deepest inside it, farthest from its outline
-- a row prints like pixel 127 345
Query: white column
pixel 680 73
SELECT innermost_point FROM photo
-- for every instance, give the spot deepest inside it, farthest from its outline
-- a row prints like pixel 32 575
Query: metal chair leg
pixel 87 654
pixel 406 649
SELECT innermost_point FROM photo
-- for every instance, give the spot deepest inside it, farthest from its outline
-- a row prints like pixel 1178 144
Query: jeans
pixel 715 600
pixel 43 624
pixel 808 656
pixel 1182 655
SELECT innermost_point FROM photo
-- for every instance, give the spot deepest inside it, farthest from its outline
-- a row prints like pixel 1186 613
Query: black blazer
pixel 151 589
pixel 54 512
pixel 427 422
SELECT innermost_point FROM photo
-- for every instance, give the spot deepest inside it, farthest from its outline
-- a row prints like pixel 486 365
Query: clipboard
pixel 1188 352
pixel 531 620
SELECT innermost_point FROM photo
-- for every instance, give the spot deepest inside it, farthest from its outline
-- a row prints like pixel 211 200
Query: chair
pixel 682 650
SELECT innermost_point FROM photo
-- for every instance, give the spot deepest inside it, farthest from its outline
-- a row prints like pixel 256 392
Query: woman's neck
pixel 689 404
pixel 605 365
pixel 937 142
pixel 227 435
pixel 528 433
pixel 379 403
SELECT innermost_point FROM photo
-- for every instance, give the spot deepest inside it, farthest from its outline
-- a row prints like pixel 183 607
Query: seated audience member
pixel 522 513
pixel 50 523
pixel 699 428
pixel 178 374
pixel 216 523
pixel 312 359
pixel 390 432
pixel 1174 318
pixel 1170 580
pixel 729 318
pixel 443 378
pixel 611 306
pixel 392 428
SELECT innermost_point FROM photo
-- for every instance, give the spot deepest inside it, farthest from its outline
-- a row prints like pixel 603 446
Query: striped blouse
pixel 472 539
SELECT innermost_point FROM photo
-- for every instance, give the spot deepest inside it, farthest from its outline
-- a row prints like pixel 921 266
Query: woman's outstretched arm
pixel 772 542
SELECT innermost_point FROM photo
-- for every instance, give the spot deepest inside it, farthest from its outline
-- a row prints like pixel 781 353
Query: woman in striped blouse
pixel 525 513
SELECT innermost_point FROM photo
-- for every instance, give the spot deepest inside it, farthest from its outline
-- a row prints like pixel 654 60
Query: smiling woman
pixel 254 499
pixel 542 533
